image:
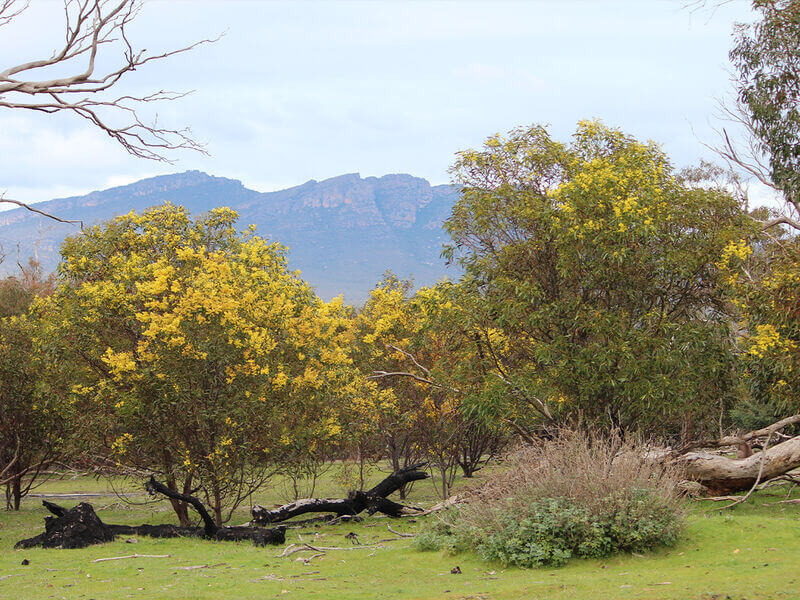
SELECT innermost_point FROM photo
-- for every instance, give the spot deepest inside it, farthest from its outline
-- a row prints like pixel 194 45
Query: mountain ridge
pixel 343 232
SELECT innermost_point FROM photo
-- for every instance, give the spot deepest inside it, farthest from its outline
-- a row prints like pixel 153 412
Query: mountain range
pixel 343 233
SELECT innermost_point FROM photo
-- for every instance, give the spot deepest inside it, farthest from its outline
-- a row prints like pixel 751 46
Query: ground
pixel 749 553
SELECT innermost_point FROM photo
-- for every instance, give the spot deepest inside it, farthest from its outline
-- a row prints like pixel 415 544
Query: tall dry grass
pixel 578 494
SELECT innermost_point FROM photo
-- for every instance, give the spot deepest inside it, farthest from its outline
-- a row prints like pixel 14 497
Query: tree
pixel 35 417
pixel 761 270
pixel 429 364
pixel 766 59
pixel 596 262
pixel 202 356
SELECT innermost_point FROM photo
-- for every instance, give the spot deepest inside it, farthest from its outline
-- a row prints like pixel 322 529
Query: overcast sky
pixel 308 90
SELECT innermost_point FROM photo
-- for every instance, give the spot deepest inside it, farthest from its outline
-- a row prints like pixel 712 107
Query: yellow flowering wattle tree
pixel 203 357
pixel 435 401
pixel 763 277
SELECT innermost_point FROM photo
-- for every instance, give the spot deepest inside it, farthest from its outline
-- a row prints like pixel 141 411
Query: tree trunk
pixel 217 505
pixel 179 506
pixel 16 491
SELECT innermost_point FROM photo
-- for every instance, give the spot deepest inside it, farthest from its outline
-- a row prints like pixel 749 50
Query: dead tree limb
pixel 95 55
pixel 154 487
pixel 80 527
pixel 373 500
pixel 744 498
pixel 724 475
pixel 40 212
pixel 733 440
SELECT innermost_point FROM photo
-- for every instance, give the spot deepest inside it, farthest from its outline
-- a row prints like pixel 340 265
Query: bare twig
pixel 758 478
pixel 405 535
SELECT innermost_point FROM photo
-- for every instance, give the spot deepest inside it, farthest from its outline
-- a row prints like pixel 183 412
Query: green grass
pixel 749 553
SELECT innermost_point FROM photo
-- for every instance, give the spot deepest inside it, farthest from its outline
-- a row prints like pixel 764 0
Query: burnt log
pixel 80 527
pixel 154 487
pixel 398 479
pixel 372 501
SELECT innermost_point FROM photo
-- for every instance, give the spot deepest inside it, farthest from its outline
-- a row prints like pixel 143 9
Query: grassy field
pixel 749 553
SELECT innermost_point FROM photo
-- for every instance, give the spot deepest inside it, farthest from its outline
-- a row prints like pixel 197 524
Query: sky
pixel 308 90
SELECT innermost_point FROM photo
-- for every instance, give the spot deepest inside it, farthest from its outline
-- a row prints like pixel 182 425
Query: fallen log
pixel 723 475
pixel 80 526
pixel 372 501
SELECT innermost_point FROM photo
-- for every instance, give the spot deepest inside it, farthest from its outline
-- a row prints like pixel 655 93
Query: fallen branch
pixel 723 475
pixel 99 560
pixel 373 500
pixel 742 499
pixel 405 535
pixel 312 557
pixel 333 548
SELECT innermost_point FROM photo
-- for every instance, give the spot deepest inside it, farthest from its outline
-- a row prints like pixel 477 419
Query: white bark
pixel 723 475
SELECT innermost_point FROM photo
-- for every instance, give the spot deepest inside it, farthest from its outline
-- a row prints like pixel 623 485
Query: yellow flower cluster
pixel 739 249
pixel 767 339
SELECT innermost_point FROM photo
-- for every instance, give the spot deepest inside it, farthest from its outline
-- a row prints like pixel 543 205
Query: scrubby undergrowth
pixel 576 496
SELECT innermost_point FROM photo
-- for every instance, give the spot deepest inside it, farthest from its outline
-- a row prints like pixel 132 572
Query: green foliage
pixel 596 263
pixel 35 417
pixel 552 530
pixel 762 278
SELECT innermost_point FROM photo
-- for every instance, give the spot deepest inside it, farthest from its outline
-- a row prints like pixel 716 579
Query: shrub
pixel 575 496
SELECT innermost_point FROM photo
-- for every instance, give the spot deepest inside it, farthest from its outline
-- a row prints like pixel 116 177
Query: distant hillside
pixel 342 233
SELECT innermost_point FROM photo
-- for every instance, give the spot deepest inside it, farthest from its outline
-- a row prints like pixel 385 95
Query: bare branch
pixel 93 27
pixel 11 463
pixel 782 220
pixel 10 9
pixel 41 212
pixel 410 357
pixel 383 374
pixel 733 440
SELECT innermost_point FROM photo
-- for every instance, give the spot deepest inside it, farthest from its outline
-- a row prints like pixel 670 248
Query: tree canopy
pixel 597 262
pixel 202 355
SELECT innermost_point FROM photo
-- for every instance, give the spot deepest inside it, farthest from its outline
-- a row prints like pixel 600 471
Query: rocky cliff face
pixel 342 233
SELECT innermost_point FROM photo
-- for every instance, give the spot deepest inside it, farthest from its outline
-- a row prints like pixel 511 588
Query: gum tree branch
pixel 95 29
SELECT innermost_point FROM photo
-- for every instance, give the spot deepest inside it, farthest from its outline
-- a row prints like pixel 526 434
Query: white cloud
pixel 301 90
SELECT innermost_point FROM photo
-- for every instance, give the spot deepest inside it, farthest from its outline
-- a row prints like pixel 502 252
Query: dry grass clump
pixel 575 495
